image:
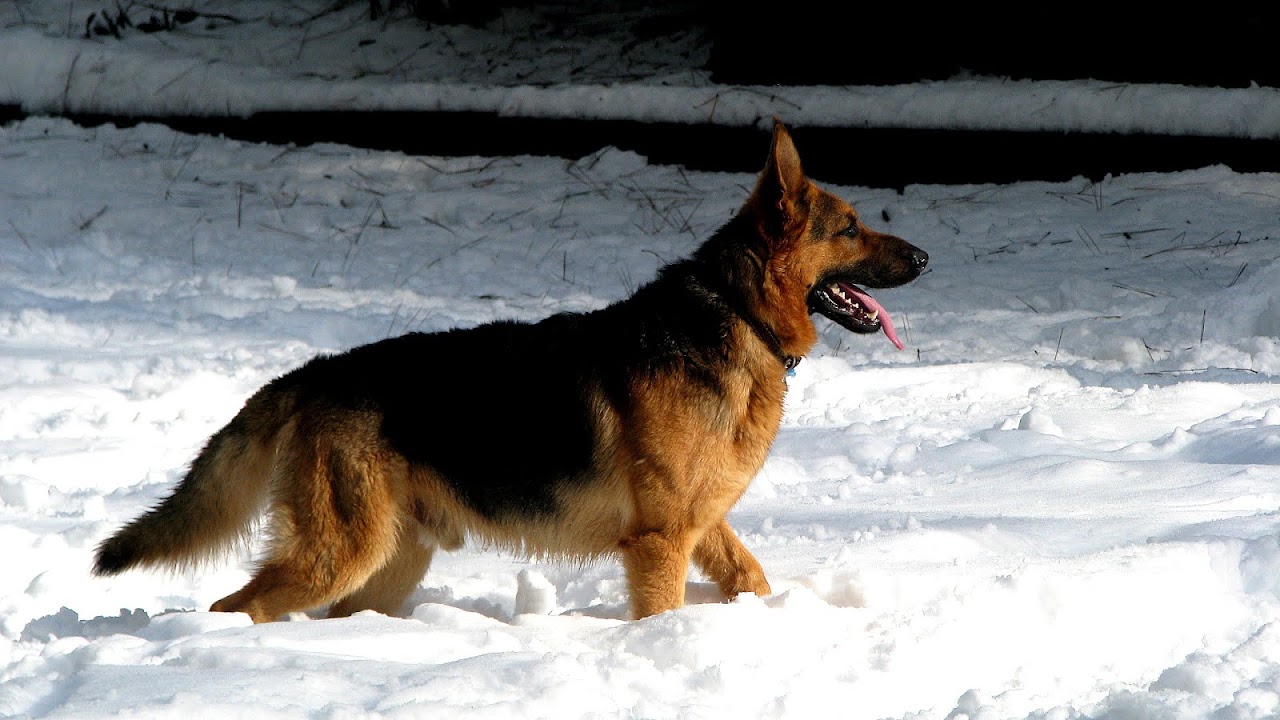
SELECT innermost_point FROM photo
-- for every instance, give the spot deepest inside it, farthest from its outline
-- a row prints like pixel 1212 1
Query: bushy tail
pixel 215 504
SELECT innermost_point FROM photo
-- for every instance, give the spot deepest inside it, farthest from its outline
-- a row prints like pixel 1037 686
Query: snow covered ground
pixel 561 60
pixel 1061 500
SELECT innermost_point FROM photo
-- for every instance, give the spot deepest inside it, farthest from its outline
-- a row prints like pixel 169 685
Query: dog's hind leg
pixel 728 563
pixel 334 522
pixel 386 590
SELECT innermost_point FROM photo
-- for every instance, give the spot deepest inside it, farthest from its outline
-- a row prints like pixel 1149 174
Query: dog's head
pixel 819 249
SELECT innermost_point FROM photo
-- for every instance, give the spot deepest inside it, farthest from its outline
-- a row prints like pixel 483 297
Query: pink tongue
pixel 868 302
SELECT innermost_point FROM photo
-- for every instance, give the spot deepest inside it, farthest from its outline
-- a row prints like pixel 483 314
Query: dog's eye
pixel 851 231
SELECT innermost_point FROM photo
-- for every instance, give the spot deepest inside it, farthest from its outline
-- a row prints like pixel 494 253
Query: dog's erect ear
pixel 781 187
pixel 784 161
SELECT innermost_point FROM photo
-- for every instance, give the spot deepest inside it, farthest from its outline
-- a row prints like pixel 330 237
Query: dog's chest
pixel 718 435
pixel 757 413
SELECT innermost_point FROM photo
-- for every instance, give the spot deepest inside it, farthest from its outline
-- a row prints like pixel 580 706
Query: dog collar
pixel 762 331
pixel 765 333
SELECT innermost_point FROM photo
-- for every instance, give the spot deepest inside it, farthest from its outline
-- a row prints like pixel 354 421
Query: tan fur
pixel 354 524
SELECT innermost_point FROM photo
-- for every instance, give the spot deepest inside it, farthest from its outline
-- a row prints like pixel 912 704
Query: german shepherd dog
pixel 628 431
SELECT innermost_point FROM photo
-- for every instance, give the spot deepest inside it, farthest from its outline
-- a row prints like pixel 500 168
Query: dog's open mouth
pixel 853 308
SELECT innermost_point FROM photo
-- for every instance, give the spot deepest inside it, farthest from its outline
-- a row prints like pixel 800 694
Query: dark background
pixel 870 44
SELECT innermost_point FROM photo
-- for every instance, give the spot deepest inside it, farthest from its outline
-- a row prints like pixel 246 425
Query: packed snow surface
pixel 551 60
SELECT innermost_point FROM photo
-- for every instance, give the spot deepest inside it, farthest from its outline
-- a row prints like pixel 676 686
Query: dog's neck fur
pixel 729 265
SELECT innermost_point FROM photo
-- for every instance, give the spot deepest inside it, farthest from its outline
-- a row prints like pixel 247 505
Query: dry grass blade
pixel 1235 279
pixel 285 231
pixel 1197 371
pixel 87 223
pixel 440 225
pixel 1130 234
pixel 21 236
pixel 1140 291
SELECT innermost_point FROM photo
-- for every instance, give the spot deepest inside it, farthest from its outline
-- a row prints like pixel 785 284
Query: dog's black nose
pixel 920 258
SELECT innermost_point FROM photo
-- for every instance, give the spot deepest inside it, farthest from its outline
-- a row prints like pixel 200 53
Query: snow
pixel 1060 500
pixel 245 57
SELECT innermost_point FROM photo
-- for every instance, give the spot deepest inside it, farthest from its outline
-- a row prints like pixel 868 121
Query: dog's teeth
pixel 874 316
pixel 851 305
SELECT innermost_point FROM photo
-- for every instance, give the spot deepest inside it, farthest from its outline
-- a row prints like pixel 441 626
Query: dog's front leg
pixel 656 563
pixel 724 559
